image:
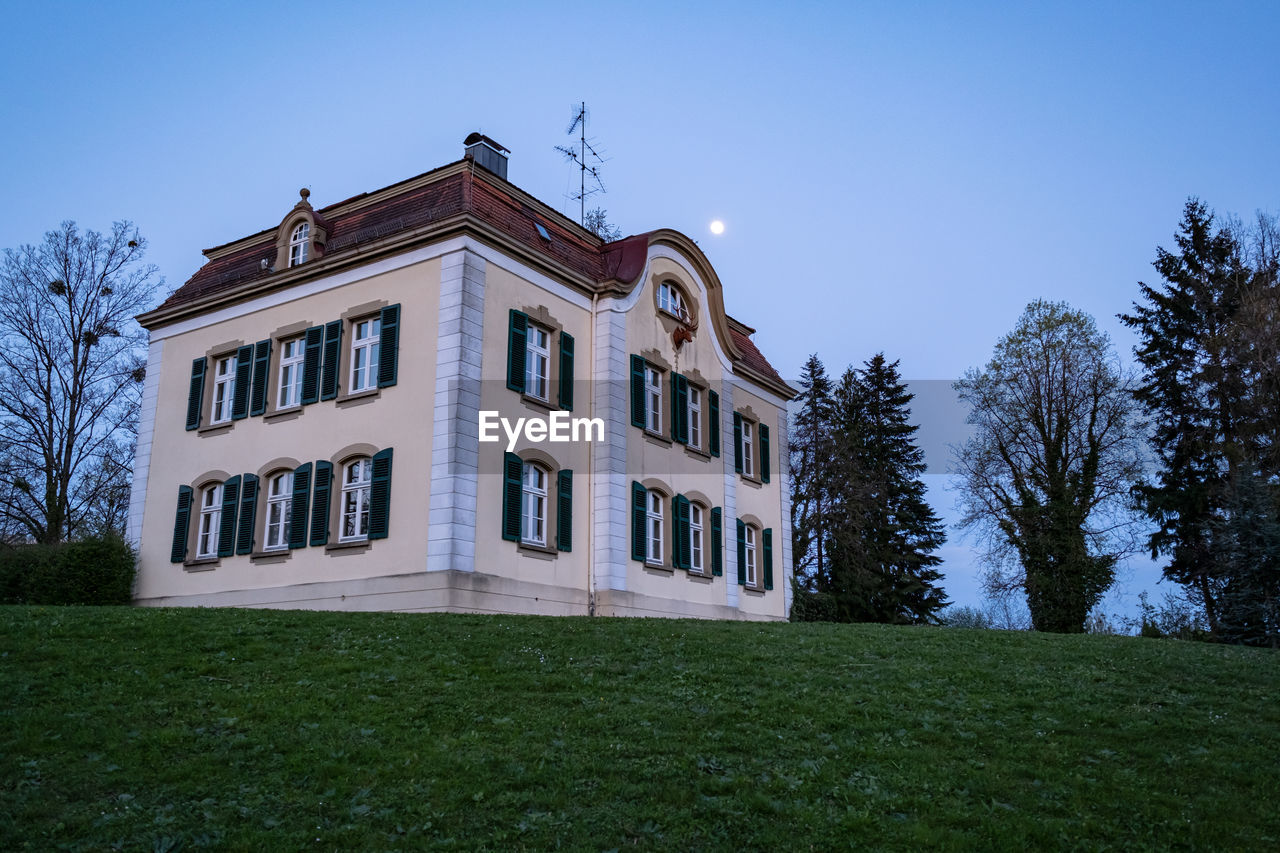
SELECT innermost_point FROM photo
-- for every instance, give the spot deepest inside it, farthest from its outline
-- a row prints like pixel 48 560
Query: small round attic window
pixel 671 300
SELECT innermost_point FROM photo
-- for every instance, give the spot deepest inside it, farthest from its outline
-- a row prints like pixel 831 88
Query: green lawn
pixel 178 729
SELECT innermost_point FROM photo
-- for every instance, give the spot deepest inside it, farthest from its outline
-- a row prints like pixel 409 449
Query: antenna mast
pixel 579 156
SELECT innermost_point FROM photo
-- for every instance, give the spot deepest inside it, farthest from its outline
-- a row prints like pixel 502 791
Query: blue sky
pixel 899 176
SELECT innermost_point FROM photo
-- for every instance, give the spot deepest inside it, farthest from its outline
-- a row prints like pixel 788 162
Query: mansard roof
pixel 452 199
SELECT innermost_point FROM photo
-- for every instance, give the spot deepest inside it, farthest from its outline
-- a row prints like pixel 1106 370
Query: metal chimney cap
pixel 474 138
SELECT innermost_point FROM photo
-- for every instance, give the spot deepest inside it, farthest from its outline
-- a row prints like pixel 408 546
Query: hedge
pixel 91 571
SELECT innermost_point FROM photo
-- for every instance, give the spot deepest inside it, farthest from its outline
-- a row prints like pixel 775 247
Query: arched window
pixel 298 244
pixel 356 479
pixel 533 506
pixel 749 554
pixel 671 300
pixel 279 510
pixel 210 521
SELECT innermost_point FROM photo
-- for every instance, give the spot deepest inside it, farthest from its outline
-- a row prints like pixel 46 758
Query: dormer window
pixel 672 301
pixel 298 244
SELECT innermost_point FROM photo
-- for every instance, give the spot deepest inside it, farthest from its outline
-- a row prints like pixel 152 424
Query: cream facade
pixel 333 371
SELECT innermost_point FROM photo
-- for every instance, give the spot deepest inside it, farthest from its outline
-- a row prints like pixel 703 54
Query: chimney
pixel 487 153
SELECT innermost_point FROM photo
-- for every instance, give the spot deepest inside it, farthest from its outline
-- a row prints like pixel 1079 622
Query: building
pixel 322 421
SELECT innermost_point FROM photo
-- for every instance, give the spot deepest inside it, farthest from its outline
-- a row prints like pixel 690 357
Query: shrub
pixel 810 606
pixel 965 617
pixel 91 571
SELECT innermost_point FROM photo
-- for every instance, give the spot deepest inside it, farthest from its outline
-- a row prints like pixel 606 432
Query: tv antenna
pixel 580 156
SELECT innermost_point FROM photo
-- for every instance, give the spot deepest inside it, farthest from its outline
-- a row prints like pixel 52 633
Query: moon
pixel 717 227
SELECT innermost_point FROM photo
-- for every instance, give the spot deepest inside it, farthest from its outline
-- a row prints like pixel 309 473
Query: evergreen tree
pixel 883 532
pixel 810 466
pixel 1246 542
pixel 1196 393
pixel 901 529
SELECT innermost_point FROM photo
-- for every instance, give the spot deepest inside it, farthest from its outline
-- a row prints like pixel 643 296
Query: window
pixel 364 354
pixel 653 528
pixel 356 479
pixel 292 354
pixel 749 549
pixel 298 244
pixel 210 521
pixel 533 512
pixel 695 417
pixel 279 511
pixel 537 362
pixel 695 538
pixel 748 467
pixel 672 301
pixel 653 398
pixel 224 389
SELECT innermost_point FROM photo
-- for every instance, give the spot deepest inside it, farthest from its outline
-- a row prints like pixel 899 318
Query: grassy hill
pixel 167 729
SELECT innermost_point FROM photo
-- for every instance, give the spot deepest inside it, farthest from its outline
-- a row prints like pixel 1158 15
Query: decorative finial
pixel 305 193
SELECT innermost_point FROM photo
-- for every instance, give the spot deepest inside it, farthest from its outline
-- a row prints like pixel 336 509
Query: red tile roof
pixel 350 224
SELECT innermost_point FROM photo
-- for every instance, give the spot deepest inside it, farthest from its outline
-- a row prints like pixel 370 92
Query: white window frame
pixel 537 362
pixel 279 511
pixel 366 336
pixel 355 499
pixel 533 504
pixel 748 465
pixel 695 417
pixel 293 354
pixel 749 538
pixel 224 389
pixel 695 537
pixel 671 300
pixel 653 523
pixel 652 398
pixel 210 521
pixel 300 244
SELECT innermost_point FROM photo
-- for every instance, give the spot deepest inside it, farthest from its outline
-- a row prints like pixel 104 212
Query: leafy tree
pixel 71 369
pixel 883 531
pixel 1197 389
pixel 1046 475
pixel 810 446
pixel 597 222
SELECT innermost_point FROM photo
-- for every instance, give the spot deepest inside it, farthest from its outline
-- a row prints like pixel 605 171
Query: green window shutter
pixel 380 494
pixel 682 551
pixel 321 489
pixel 313 343
pixel 679 408
pixel 181 525
pixel 764 453
pixel 332 358
pixel 737 442
pixel 767 537
pixel 298 506
pixel 388 351
pixel 637 391
pixel 195 396
pixel 566 371
pixel 564 510
pixel 248 513
pixel 244 371
pixel 638 495
pixel 717 534
pixel 742 553
pixel 512 492
pixel 517 340
pixel 261 377
pixel 713 403
pixel 227 521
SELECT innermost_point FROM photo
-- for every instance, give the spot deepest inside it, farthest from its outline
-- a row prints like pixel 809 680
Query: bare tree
pixel 1046 477
pixel 71 369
